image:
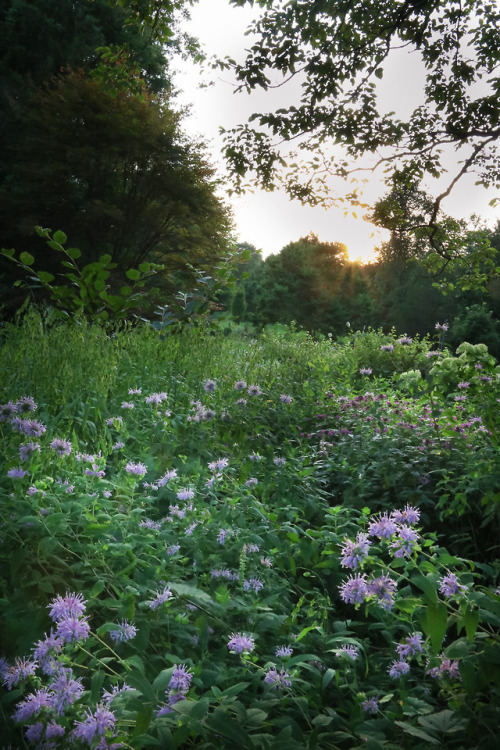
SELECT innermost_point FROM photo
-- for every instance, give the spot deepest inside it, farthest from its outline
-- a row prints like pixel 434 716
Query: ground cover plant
pixel 216 541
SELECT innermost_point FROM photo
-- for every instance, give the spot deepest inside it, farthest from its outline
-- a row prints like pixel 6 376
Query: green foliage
pixel 86 290
pixel 336 53
pixel 136 191
pixel 237 486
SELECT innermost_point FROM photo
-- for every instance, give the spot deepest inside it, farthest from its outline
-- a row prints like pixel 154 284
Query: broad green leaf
pixel 416 732
pixel 26 258
pixel 9 253
pixel 132 274
pixel 45 277
pixel 74 252
pixel 471 621
pixel 59 237
pixel 434 621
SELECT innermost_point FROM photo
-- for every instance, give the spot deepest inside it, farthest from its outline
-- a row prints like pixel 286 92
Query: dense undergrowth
pixel 216 541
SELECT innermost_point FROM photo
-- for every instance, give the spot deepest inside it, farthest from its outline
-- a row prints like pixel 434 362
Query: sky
pixel 269 221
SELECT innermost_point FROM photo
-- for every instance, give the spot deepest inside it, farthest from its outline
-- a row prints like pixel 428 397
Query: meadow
pixel 273 543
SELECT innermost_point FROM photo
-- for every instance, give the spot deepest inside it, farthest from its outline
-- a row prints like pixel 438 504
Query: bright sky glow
pixel 270 220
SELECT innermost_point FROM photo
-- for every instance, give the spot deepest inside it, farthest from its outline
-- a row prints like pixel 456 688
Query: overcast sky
pixel 270 220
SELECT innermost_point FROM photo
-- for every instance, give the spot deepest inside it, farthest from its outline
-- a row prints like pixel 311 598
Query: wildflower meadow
pixel 272 543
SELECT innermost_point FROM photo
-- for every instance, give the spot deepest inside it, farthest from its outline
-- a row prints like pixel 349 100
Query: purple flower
pixel 441 326
pixel 18 473
pixel 285 399
pixel 405 542
pixel 223 533
pixel 73 629
pixel 149 524
pixel 254 390
pixel 45 652
pixel 387 348
pixel 181 678
pixel 113 421
pixel 354 590
pixel 138 469
pixel 240 385
pixel 29 427
pixel 240 643
pixel 54 730
pixel 411 645
pixel 34 732
pixel 209 386
pixel 251 482
pixel 405 340
pixel 276 679
pixel 409 515
pixel 218 465
pixel 365 371
pixel 451 668
pixel 7 411
pixel 383 527
pixel 128 405
pixel 450 586
pixel 463 384
pixel 61 447
pixel 71 605
pixel 166 478
pixel 255 457
pixel 110 695
pixel 284 651
pixel 370 706
pixel 26 449
pixel 21 670
pixel 254 583
pixel 124 632
pixel 383 588
pixel 66 689
pixel 172 550
pixel 161 598
pixel 352 652
pixel 25 404
pixel 353 553
pixel 432 354
pixel 32 705
pixel 156 398
pixel 398 669
pixel 134 391
pixel 185 494
pixel 99 722
pixel 279 461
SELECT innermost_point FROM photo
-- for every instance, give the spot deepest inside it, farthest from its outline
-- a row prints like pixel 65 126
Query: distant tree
pixel 113 170
pixel 336 52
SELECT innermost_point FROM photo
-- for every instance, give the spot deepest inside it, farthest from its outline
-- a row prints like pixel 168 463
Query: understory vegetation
pixel 213 540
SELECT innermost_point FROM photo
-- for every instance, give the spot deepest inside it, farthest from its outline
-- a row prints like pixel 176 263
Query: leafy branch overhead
pixel 335 53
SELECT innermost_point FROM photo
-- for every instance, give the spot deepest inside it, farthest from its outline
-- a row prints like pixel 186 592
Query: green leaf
pixel 427 586
pixel 59 237
pixel 471 621
pixel 8 253
pixel 26 258
pixel 73 252
pixel 106 258
pixel 221 723
pixel 133 274
pixel 181 589
pixel 45 277
pixel 416 732
pixel 434 622
pixel 144 267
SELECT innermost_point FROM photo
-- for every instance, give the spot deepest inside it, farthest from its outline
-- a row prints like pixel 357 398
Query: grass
pixel 306 560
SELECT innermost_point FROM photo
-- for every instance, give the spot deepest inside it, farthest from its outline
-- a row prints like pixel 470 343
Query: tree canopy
pixel 335 53
pixel 93 144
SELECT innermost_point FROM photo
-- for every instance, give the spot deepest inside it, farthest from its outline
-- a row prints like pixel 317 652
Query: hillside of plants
pixel 281 542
